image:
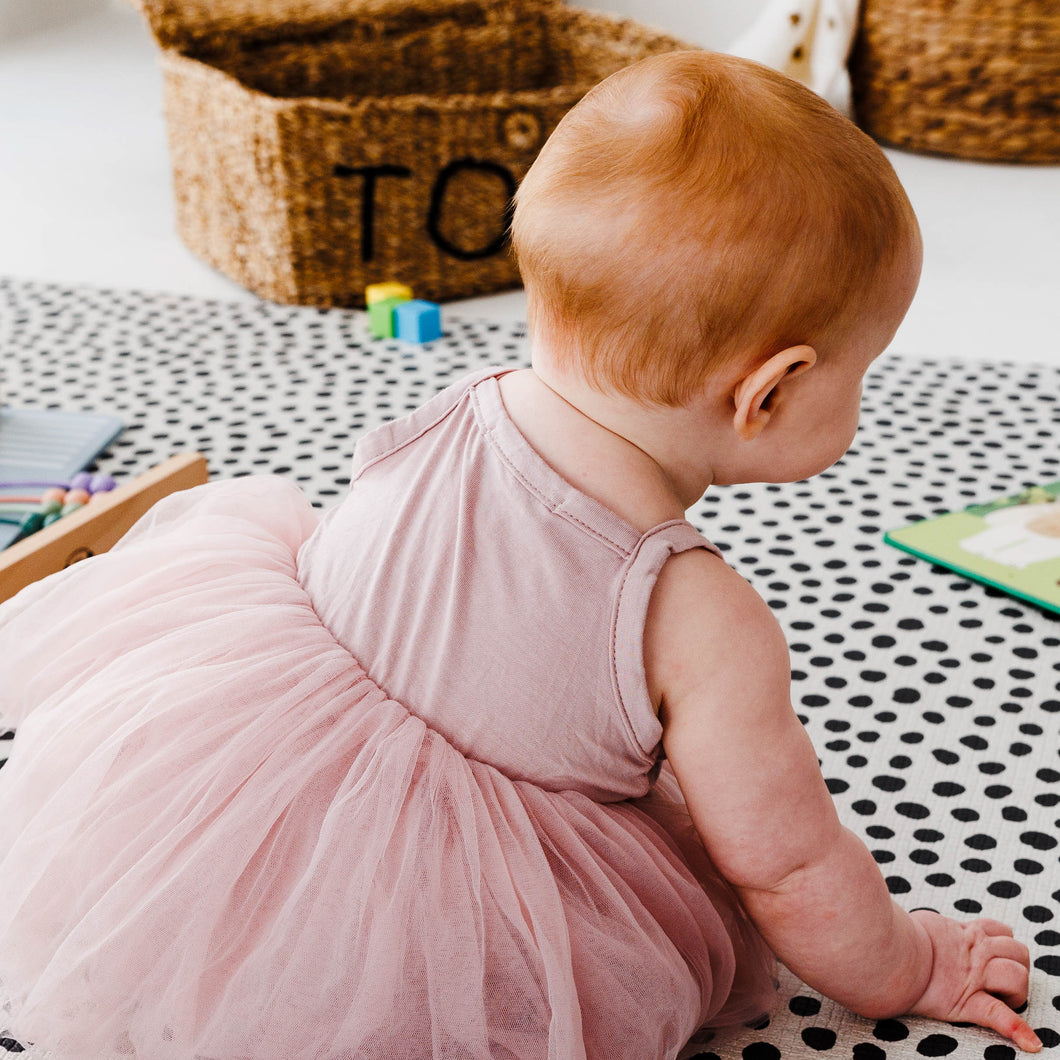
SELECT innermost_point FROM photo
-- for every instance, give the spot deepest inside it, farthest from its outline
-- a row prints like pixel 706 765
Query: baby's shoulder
pixel 698 586
pixel 705 621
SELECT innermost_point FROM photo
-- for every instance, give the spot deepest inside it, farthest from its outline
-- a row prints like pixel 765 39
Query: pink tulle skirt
pixel 219 838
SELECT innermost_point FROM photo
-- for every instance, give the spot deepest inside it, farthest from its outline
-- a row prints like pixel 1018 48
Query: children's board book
pixel 1012 543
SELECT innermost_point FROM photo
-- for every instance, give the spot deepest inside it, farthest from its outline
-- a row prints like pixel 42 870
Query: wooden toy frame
pixel 98 525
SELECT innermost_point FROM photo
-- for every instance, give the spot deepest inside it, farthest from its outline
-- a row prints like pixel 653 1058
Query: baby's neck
pixel 593 442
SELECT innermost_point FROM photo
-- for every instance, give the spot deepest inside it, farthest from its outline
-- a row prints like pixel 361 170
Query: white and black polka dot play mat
pixel 933 701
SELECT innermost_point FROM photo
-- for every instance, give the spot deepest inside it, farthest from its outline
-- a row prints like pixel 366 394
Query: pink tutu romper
pixel 384 785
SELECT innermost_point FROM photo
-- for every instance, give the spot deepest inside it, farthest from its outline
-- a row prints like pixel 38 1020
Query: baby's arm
pixel 718 665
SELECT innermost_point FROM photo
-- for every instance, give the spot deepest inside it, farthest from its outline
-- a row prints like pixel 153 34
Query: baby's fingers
pixel 989 1011
pixel 993 927
pixel 1007 947
pixel 1008 980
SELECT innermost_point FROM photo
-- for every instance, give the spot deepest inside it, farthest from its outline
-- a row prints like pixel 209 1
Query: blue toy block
pixel 417 321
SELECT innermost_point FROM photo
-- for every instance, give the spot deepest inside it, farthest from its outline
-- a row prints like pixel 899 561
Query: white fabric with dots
pixel 933 702
pixel 808 40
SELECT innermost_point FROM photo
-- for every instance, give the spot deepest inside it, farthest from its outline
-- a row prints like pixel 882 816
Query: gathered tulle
pixel 219 838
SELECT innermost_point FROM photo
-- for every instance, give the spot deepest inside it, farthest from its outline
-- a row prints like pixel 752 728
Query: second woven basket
pixel 975 79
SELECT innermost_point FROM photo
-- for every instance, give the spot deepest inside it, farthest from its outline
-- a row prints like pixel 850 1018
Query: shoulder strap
pixel 680 536
pixel 627 627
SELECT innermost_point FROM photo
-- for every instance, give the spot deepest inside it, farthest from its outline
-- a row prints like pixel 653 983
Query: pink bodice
pixel 500 604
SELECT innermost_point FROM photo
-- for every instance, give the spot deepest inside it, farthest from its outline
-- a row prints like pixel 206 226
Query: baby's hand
pixel 979 974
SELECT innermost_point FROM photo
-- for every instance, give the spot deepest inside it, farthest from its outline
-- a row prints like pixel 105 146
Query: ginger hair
pixel 697 208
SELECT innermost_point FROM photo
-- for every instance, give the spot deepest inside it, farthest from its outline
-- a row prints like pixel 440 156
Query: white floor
pixel 85 198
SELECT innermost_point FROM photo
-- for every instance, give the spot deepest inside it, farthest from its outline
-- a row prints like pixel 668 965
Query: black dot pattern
pixel 933 702
pixel 259 388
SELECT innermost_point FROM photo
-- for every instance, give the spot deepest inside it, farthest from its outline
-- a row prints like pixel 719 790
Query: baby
pixel 712 259
pixel 392 783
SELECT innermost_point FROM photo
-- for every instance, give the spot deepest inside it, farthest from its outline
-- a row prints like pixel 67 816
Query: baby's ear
pixel 753 394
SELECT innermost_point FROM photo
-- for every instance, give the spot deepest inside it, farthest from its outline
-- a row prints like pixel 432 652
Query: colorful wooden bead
pixel 32 523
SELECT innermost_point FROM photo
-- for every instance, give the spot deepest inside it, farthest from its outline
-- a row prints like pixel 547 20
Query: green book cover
pixel 1012 544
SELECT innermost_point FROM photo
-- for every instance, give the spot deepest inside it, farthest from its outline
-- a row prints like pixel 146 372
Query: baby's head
pixel 696 210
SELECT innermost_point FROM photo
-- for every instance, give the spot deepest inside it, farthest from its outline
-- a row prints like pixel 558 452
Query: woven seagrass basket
pixel 322 145
pixel 975 79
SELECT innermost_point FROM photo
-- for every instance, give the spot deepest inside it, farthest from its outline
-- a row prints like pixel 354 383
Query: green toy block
pixel 381 317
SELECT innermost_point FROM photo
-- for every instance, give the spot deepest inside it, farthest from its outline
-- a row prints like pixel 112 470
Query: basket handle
pixel 217 25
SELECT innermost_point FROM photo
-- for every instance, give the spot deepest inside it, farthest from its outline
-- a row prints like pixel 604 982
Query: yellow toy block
pixel 382 292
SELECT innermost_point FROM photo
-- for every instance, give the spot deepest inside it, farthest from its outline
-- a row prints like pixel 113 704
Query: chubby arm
pixel 718 666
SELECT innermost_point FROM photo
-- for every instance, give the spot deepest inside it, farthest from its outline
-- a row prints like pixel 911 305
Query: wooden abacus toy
pixel 90 517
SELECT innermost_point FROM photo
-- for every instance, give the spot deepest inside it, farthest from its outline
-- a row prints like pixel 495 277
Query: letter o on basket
pixel 451 175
